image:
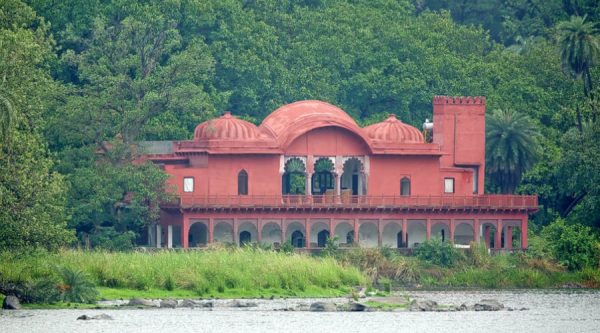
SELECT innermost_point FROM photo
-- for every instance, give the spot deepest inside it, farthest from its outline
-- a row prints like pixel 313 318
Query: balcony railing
pixel 528 202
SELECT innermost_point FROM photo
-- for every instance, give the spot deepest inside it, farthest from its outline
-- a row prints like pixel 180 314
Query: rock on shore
pixel 11 303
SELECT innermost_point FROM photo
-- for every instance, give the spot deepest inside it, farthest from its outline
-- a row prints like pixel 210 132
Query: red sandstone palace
pixel 309 171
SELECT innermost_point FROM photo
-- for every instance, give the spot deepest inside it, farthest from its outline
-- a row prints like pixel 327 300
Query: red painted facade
pixel 309 171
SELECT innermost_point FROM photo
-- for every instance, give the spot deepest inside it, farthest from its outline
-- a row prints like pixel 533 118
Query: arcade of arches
pixel 313 233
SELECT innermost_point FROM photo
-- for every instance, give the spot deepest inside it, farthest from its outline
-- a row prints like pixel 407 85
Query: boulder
pixel 141 302
pixel 238 304
pixel 11 303
pixel 102 316
pixel 357 307
pixel 322 307
pixel 168 303
pixel 190 303
pixel 423 305
pixel 488 305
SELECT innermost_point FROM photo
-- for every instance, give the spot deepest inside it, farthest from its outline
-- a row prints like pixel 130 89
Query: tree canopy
pixel 81 81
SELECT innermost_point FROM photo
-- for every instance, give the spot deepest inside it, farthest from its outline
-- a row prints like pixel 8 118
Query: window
pixel 475 180
pixel 405 186
pixel 243 183
pixel 448 185
pixel 188 184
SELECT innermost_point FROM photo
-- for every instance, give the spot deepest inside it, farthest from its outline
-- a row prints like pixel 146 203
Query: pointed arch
pixel 243 182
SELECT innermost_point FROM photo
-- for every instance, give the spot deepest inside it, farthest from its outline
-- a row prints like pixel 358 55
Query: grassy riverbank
pixel 224 273
pixel 256 273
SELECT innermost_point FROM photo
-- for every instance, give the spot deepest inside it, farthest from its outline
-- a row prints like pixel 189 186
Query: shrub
pixel 572 245
pixel 478 255
pixel 438 253
pixel 287 247
pixel 76 286
pixel 331 248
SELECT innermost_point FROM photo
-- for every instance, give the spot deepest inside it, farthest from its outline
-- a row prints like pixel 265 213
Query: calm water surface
pixel 549 311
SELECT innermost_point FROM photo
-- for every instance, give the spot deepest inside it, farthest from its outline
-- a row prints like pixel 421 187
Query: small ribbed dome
pixel 226 127
pixel 393 130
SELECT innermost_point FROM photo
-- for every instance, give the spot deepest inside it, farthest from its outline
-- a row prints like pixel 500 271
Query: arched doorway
pixel 298 240
pixel 345 233
pixel 296 234
pixel 440 231
pixel 390 232
pixel 368 235
pixel 399 242
pixel 223 233
pixel 323 179
pixel 198 235
pixel 271 234
pixel 322 238
pixel 250 229
pixel 294 178
pixel 416 233
pixel 245 237
pixel 463 233
pixel 353 181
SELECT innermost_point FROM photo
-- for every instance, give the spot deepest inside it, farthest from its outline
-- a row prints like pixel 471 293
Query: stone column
pixel 428 228
pixel 211 231
pixel 379 236
pixel 170 236
pixel 524 233
pixel 405 233
pixel 452 226
pixel 331 231
pixel 258 235
pixel 236 231
pixel 282 231
pixel 508 237
pixel 487 236
pixel 308 183
pixel 150 236
pixel 356 231
pixel 307 232
pixel 185 229
pixel 498 238
pixel 158 236
pixel 476 228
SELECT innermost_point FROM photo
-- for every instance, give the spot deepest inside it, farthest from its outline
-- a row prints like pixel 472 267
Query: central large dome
pixel 280 120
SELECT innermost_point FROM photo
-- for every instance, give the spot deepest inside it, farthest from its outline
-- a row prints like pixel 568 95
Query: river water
pixel 548 311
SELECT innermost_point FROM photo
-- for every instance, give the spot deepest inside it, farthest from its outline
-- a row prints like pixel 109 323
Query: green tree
pixel 572 245
pixel 32 196
pixel 580 48
pixel 511 148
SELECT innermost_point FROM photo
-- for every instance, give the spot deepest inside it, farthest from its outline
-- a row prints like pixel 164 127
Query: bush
pixel 76 286
pixel 571 245
pixel 438 253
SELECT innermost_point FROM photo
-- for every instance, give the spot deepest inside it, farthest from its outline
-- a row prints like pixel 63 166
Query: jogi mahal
pixel 309 172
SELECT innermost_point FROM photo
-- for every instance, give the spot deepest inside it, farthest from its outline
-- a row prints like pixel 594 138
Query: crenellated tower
pixel 459 129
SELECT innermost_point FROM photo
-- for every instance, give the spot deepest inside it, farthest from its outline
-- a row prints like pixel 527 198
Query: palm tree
pixel 511 148
pixel 580 48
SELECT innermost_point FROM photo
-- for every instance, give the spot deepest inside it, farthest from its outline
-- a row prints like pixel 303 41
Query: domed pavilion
pixel 309 172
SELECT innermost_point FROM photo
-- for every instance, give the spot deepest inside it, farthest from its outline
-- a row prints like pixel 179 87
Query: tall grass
pixel 248 271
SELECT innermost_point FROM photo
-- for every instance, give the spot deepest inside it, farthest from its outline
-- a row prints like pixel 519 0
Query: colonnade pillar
pixel 258 233
pixel 405 233
pixel 487 236
pixel 452 230
pixel 356 231
pixel 185 232
pixel 308 183
pixel 307 237
pixel 428 228
pixel 235 229
pixel 498 238
pixel 379 235
pixel 476 230
pixel 211 230
pixel 170 236
pixel 508 237
pixel 158 236
pixel 282 231
pixel 524 233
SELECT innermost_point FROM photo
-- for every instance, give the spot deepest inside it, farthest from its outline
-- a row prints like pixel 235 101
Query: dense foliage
pixel 82 81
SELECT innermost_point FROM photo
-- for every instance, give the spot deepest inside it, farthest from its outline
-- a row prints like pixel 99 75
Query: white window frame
pixel 449 185
pixel 188 184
